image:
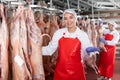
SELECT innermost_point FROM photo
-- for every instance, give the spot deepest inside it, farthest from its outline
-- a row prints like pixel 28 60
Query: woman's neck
pixel 72 29
pixel 112 29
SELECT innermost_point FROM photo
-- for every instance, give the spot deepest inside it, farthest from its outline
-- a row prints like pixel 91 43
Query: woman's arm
pixel 85 43
pixel 53 44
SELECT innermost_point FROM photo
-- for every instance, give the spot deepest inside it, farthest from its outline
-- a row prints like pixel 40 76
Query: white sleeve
pixel 85 43
pixel 52 46
pixel 114 40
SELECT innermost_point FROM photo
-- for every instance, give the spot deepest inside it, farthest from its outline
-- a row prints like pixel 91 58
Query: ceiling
pixel 80 6
pixel 105 9
pixel 85 5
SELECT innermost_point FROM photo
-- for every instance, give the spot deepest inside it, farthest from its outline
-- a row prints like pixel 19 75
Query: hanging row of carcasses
pixel 94 30
pixel 20 44
pixel 23 36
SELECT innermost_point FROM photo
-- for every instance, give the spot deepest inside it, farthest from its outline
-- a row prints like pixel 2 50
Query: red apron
pixel 107 59
pixel 69 65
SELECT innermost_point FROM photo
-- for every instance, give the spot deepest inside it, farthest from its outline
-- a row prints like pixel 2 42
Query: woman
pixel 107 58
pixel 71 43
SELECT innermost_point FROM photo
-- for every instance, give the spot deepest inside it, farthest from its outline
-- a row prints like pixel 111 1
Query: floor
pixel 117 70
pixel 91 75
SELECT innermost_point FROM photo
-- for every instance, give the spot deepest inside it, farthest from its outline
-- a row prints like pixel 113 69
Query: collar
pixel 73 35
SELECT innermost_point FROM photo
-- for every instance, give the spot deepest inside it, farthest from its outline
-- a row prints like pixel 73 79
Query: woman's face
pixel 69 20
pixel 110 26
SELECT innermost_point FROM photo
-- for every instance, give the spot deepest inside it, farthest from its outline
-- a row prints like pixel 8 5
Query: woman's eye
pixel 71 17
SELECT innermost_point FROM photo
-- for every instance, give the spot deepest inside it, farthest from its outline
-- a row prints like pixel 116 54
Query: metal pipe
pixel 68 4
pixel 19 0
pixel 2 0
pixel 50 3
pixel 78 5
pixel 32 2
pixel 116 3
pixel 50 11
pixel 92 10
pixel 8 4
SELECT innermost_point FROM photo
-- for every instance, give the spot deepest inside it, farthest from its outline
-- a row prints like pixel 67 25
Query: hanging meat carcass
pixel 35 43
pixel 92 34
pixel 43 23
pixel 43 27
pixel 59 21
pixel 23 40
pixel 4 40
pixel 18 37
pixel 39 20
pixel 100 34
pixel 9 19
pixel 53 25
pixel 94 42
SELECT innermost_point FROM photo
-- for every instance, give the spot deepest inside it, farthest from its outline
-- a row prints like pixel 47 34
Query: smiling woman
pixel 107 59
pixel 71 49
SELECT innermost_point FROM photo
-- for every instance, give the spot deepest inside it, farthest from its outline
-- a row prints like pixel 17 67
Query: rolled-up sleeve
pixel 85 43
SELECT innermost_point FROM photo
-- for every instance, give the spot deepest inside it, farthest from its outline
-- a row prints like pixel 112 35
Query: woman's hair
pixel 113 23
pixel 72 12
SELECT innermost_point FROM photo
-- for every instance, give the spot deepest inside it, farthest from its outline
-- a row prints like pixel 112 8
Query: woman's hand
pixel 91 61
